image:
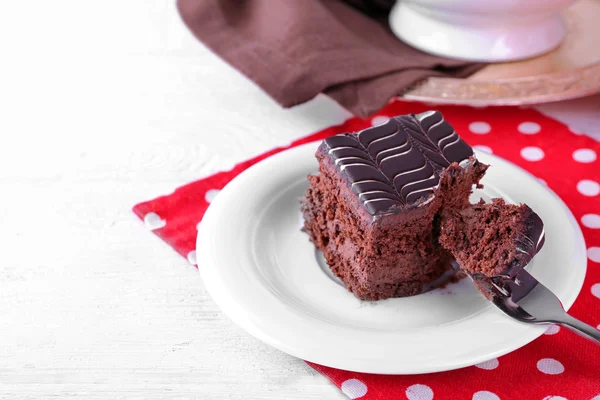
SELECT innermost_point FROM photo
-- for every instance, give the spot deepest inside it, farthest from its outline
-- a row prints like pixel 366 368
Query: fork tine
pixel 500 288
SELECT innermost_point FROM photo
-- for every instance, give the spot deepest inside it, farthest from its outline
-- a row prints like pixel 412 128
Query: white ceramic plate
pixel 264 274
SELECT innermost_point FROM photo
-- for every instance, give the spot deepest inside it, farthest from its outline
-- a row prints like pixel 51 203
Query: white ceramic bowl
pixel 479 30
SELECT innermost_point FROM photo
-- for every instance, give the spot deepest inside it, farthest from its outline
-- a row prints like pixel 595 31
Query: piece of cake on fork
pixel 492 240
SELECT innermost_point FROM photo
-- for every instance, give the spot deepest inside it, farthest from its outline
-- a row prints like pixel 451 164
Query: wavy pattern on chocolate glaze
pixel 398 163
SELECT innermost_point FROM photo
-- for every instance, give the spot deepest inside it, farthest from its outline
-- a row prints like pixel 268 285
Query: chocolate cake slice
pixel 374 208
pixel 492 240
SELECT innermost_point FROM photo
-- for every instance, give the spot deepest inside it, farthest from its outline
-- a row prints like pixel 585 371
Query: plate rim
pixel 234 311
pixel 524 90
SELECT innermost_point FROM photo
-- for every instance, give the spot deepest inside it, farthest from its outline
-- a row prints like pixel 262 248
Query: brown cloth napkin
pixel 295 49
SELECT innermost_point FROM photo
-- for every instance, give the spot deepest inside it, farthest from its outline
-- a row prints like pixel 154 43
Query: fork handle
pixel 580 328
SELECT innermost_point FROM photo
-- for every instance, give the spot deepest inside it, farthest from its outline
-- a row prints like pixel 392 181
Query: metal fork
pixel 527 300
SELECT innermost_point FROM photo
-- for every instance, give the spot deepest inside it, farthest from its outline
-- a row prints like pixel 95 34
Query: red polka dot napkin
pixel 558 365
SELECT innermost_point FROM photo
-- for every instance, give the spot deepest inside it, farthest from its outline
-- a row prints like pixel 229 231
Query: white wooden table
pixel 106 104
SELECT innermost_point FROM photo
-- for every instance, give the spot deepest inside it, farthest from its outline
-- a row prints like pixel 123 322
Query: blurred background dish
pixel 570 71
pixel 491 31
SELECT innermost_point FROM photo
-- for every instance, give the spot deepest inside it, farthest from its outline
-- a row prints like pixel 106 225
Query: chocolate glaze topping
pixel 528 243
pixel 399 163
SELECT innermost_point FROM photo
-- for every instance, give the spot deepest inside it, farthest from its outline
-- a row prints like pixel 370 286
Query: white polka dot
pixel 489 365
pixel 596 397
pixel 584 155
pixel 550 366
pixel 191 256
pixel 485 149
pixel 588 188
pixel 419 392
pixel 480 128
pixel 552 330
pixel 596 290
pixel 543 181
pixel 554 398
pixel 485 395
pixel 529 128
pixel 153 221
pixel 532 153
pixel 379 120
pixel 198 225
pixel 210 195
pixel 591 221
pixel 354 388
